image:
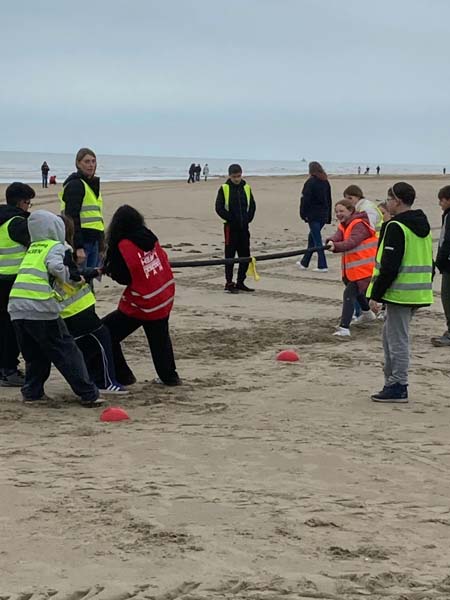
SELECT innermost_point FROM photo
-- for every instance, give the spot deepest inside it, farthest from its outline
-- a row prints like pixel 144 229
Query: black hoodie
pixel 17 229
pixel 394 248
pixel 443 254
pixel 73 199
pixel 239 214
pixel 115 265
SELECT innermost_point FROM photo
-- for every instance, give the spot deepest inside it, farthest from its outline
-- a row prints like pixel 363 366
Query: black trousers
pixel 46 342
pixel 236 241
pixel 121 326
pixel 351 295
pixel 9 349
pixel 96 348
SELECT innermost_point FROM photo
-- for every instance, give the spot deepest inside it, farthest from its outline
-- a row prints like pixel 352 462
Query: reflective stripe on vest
pixel 76 300
pixel 226 195
pixel 359 263
pixel 413 284
pixel 91 212
pixel 11 253
pixel 32 281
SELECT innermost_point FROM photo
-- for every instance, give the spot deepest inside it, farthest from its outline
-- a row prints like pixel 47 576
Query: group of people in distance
pixel 48 264
pixel 195 171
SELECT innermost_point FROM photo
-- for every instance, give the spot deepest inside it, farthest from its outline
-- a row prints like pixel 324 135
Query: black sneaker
pixel 13 379
pixel 243 288
pixel 396 393
pixel 231 288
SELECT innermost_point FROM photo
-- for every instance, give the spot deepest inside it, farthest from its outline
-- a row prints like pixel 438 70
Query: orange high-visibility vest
pixel 359 262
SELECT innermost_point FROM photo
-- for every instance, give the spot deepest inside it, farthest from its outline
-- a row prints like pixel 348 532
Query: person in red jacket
pixel 357 241
pixel 135 259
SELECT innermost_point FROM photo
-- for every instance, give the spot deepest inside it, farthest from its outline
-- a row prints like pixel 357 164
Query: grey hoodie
pixel 44 225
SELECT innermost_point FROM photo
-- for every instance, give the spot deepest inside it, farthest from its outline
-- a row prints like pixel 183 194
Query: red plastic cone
pixel 288 356
pixel 114 413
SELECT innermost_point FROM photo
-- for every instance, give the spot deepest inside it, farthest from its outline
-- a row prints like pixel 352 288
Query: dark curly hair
pixel 124 222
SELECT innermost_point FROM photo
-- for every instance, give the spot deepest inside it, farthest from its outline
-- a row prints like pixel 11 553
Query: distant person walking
pixel 206 172
pixel 315 209
pixel 198 172
pixel 191 173
pixel 444 171
pixel 359 170
pixel 402 280
pixel 44 171
pixel 235 204
pixel 366 172
pixel 442 263
pixel 82 201
pixel 378 169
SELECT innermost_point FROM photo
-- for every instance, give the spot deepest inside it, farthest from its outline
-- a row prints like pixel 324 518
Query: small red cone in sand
pixel 288 356
pixel 114 413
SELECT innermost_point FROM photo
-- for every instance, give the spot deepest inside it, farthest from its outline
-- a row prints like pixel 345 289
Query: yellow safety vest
pixel 413 284
pixel 11 253
pixel 226 195
pixel 32 281
pixel 91 212
pixel 76 299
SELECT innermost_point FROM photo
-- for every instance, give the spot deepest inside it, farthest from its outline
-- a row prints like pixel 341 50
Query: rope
pixel 179 264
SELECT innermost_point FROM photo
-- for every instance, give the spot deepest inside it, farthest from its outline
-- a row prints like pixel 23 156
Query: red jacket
pixel 150 295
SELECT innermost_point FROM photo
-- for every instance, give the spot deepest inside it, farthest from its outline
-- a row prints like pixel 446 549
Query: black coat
pixel 315 201
pixel 73 195
pixel 239 214
pixel 442 261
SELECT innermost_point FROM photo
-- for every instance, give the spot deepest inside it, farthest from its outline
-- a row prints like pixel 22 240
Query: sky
pixel 331 80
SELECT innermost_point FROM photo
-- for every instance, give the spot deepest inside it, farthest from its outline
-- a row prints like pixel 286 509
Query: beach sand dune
pixel 254 480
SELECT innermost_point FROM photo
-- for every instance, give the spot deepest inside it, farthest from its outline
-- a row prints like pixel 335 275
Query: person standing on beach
pixel 44 171
pixel 81 200
pixel 198 172
pixel 378 169
pixel 402 280
pixel 206 172
pixel 442 263
pixel 14 241
pixel 236 205
pixel 191 173
pixel 315 209
pixel 359 170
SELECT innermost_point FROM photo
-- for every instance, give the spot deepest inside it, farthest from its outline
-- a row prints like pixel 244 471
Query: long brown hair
pixel 82 152
pixel 316 170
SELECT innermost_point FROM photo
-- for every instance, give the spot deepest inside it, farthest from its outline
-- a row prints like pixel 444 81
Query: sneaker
pixel 243 288
pixel 320 270
pixel 396 393
pixel 300 266
pixel 43 398
pixel 367 316
pixel 381 315
pixel 114 388
pixel 159 381
pixel 342 332
pixel 14 379
pixel 441 341
pixel 91 403
pixel 230 288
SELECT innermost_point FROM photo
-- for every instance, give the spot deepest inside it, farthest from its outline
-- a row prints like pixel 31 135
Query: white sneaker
pixel 342 332
pixel 320 270
pixel 365 317
pixel 114 389
pixel 300 266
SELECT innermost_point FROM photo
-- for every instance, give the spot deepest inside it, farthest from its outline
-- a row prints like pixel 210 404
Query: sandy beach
pixel 254 480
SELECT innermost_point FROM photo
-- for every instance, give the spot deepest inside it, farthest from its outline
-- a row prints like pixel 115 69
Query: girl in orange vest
pixel 356 239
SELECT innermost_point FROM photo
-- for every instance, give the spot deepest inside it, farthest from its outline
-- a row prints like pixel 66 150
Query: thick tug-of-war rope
pixel 179 264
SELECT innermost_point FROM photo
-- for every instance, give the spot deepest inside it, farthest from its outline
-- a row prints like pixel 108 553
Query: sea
pixel 25 166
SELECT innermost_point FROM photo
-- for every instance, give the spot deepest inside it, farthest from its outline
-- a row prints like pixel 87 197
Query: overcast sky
pixel 342 80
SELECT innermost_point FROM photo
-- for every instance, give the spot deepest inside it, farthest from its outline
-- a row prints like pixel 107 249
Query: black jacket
pixel 394 248
pixel 442 261
pixel 315 201
pixel 17 229
pixel 115 265
pixel 73 198
pixel 239 214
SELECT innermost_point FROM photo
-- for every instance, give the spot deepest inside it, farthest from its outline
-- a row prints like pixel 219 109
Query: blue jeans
pixel 314 241
pixel 92 254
